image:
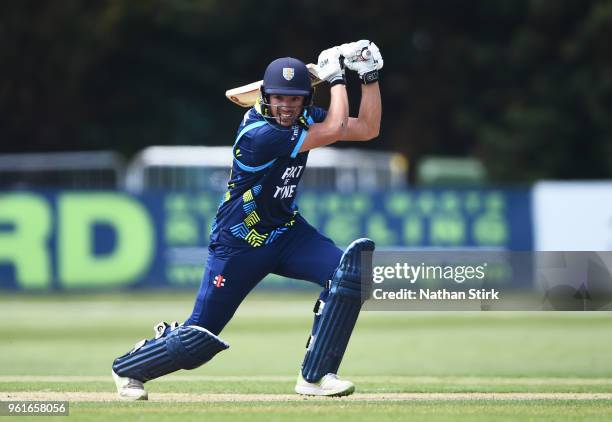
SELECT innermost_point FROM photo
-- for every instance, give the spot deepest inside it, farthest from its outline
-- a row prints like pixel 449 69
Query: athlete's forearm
pixel 366 125
pixel 370 109
pixel 335 125
pixel 337 114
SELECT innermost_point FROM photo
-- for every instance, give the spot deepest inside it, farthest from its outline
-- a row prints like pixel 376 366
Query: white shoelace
pixel 132 383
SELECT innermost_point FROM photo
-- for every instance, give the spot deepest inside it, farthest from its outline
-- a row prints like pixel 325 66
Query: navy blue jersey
pixel 259 205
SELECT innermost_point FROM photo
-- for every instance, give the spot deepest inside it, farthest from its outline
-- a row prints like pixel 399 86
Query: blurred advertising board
pixel 572 216
pixel 80 240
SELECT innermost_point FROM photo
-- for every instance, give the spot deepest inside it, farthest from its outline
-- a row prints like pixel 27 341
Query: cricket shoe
pixel 330 385
pixel 130 388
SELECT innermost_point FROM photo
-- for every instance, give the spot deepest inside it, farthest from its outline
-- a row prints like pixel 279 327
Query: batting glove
pixel 364 58
pixel 352 50
pixel 329 66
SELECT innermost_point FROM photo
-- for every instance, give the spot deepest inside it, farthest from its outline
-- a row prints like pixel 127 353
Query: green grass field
pixel 421 366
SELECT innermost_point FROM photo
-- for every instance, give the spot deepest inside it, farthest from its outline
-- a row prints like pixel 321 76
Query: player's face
pixel 286 108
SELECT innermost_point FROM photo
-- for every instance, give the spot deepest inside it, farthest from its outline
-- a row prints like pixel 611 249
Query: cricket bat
pixel 246 95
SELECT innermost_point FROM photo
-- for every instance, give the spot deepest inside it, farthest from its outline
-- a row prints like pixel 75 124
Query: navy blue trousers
pixel 300 253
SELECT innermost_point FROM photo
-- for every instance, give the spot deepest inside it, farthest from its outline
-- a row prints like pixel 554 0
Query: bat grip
pixel 365 54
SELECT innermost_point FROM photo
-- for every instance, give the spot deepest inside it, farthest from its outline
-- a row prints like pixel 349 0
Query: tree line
pixel 523 85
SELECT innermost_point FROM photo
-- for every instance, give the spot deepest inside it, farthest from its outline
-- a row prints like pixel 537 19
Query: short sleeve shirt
pixel 259 204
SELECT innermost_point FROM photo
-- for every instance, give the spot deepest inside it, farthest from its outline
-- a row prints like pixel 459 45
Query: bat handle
pixel 365 54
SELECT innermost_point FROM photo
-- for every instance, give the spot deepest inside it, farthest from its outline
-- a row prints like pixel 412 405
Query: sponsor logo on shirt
pixel 285 189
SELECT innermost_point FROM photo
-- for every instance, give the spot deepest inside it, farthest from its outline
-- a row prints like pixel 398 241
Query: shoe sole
pixel 311 391
pixel 134 398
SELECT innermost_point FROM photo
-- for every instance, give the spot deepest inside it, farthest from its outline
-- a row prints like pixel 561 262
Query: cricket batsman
pixel 258 229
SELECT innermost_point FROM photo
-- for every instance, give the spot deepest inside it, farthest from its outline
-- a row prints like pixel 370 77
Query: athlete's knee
pixel 353 278
pixel 215 327
pixel 212 315
pixel 174 347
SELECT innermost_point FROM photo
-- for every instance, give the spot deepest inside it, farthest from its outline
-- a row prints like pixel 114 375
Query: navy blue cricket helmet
pixel 287 76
